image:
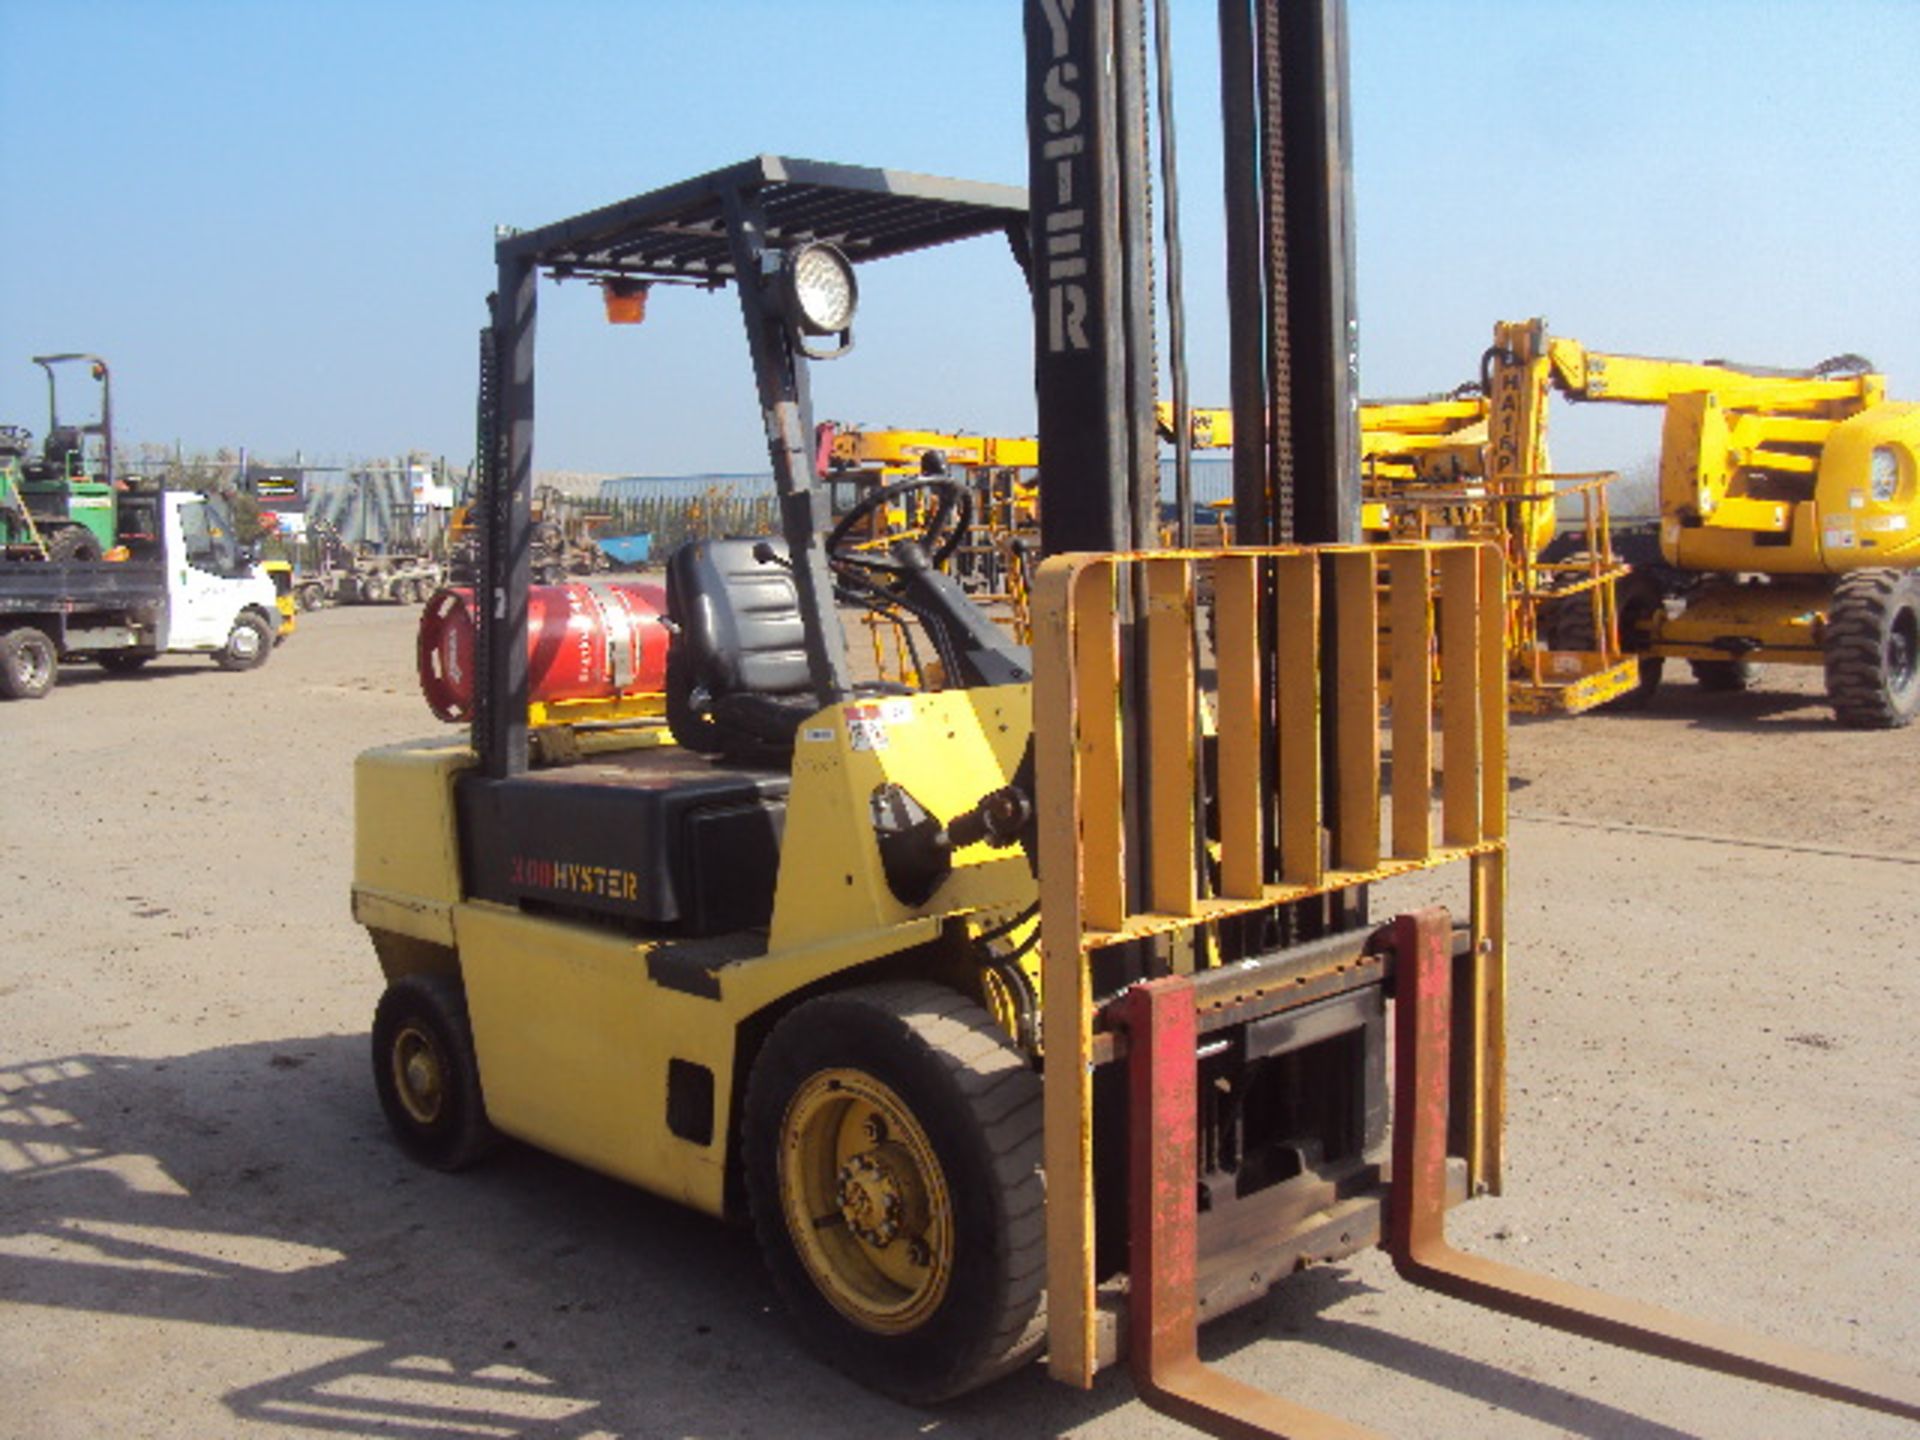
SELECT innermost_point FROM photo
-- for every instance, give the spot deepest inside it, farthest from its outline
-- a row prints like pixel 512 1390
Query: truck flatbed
pixel 33 586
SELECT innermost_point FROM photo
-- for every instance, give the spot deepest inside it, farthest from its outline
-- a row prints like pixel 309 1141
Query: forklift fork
pixel 1163 1317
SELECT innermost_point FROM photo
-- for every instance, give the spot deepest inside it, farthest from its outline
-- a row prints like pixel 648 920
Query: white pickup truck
pixel 187 586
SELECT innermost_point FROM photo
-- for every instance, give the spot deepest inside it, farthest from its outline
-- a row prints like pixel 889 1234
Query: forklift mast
pixel 1293 331
pixel 1290 258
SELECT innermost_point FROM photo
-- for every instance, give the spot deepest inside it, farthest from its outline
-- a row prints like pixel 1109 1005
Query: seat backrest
pixel 739 632
pixel 63 442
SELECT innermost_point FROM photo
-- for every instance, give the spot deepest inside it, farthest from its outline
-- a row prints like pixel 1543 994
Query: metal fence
pixel 678 508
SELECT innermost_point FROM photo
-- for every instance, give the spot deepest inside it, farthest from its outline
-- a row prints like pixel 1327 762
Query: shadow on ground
pixel 254 1187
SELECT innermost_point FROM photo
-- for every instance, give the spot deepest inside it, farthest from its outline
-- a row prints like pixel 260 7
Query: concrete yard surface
pixel 205 1230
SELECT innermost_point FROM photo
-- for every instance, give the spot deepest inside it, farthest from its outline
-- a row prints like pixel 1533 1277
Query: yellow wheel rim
pixel 865 1201
pixel 419 1076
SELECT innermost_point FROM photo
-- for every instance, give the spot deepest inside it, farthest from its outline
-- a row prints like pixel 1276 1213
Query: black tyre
pixel 123 662
pixel 311 597
pixel 71 545
pixel 893 1159
pixel 1872 649
pixel 248 643
pixel 426 1074
pixel 1728 676
pixel 29 664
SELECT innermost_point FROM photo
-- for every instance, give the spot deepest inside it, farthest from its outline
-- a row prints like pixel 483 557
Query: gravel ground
pixel 204 1230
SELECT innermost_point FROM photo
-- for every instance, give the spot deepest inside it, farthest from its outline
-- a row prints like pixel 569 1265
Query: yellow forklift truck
pixel 1025 1013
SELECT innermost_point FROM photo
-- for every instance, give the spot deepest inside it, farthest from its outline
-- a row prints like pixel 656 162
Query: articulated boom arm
pixel 1583 374
pixel 1436 439
pixel 906 451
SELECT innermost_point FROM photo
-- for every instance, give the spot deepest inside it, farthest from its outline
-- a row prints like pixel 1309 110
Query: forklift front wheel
pixel 893 1169
pixel 426 1075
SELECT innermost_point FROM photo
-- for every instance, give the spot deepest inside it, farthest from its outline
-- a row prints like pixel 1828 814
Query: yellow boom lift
pixel 1024 1013
pixel 1789 515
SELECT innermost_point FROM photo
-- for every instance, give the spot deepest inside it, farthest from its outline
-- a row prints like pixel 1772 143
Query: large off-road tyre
pixel 29 664
pixel 1725 676
pixel 311 597
pixel 1872 649
pixel 248 645
pixel 893 1165
pixel 1569 626
pixel 426 1074
pixel 71 545
pixel 124 662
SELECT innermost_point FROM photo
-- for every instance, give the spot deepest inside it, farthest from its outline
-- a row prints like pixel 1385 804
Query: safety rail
pixel 1563 656
pixel 1130 849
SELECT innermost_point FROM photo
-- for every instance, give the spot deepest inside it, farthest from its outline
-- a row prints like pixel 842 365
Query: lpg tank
pixel 591 640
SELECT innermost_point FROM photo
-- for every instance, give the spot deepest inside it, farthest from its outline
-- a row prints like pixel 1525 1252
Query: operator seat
pixel 737 678
pixel 63 442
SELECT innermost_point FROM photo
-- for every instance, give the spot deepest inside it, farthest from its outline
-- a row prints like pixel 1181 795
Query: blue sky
pixel 276 218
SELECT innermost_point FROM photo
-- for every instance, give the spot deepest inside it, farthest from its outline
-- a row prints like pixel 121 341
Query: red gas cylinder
pixel 585 641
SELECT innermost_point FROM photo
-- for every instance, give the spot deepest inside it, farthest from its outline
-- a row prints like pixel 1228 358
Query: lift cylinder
pixel 585 641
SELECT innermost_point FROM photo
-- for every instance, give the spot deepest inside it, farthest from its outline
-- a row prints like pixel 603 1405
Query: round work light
pixel 821 289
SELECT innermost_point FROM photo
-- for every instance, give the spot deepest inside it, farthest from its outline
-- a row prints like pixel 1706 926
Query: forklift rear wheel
pixel 1872 649
pixel 1724 675
pixel 892 1153
pixel 248 644
pixel 426 1074
pixel 29 664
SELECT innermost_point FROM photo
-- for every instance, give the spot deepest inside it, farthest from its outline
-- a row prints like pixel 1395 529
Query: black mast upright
pixel 1322 316
pixel 1293 324
pixel 1093 360
pixel 506 534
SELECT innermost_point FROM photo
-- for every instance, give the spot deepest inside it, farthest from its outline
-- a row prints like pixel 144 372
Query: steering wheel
pixel 939 536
